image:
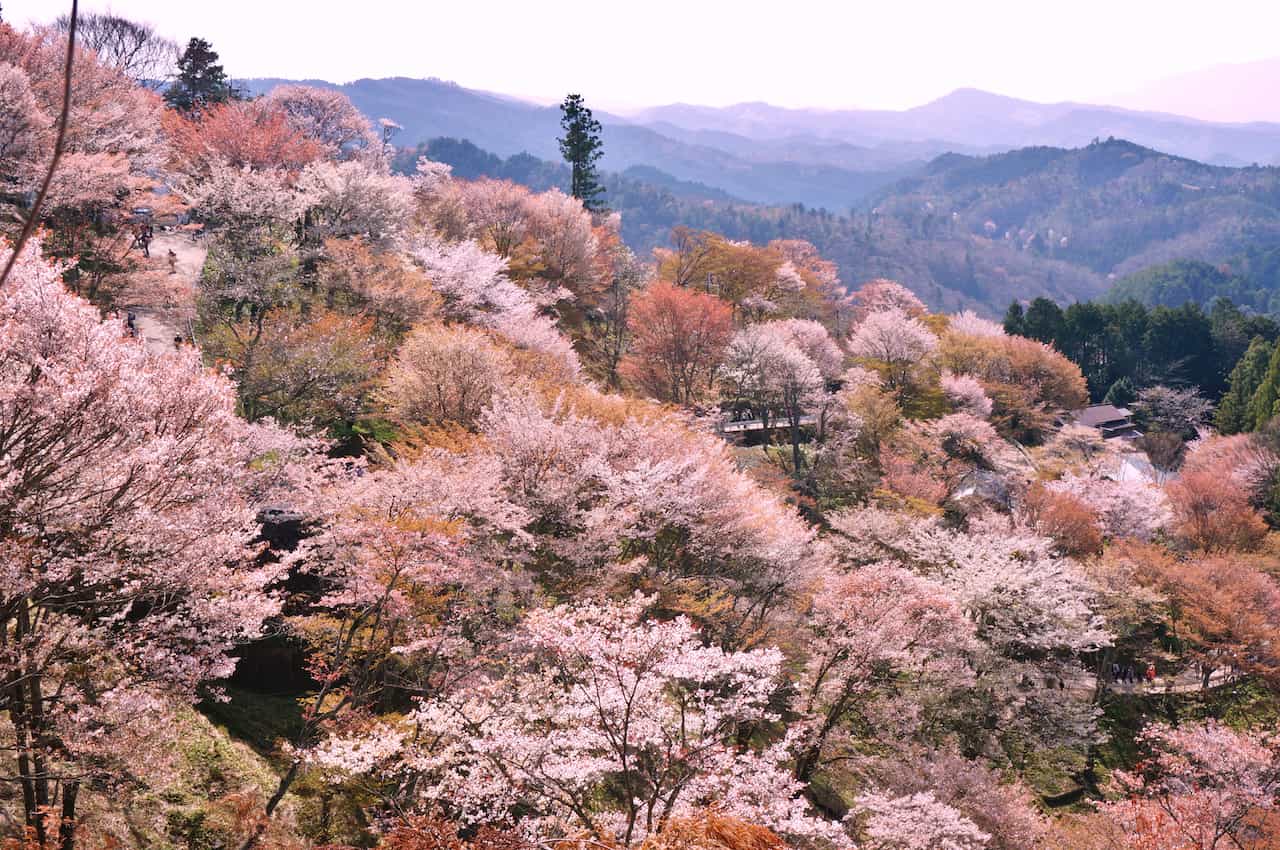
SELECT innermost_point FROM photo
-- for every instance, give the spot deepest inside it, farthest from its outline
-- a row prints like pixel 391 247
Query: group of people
pixel 145 235
pixel 1128 674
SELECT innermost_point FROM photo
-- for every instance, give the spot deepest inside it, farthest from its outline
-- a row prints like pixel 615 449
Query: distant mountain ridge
pixel 964 227
pixel 835 159
pixel 429 109
pixel 980 231
pixel 970 120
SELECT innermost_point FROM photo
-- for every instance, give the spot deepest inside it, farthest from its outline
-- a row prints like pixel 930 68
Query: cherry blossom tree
pixel 1205 786
pixel 111 117
pixel 326 116
pixel 967 394
pixel 445 374
pixel 240 133
pixel 244 200
pixel 355 198
pixel 765 368
pixel 646 503
pixel 24 126
pixel 917 822
pixel 111 149
pixel 874 628
pixel 612 724
pixel 476 289
pixel 879 295
pixel 970 323
pixel 497 213
pixel 1007 579
pixel 1177 411
pixel 895 340
pixel 814 340
pixel 129 491
pixel 405 562
pixel 566 243
pixel 1004 808
pixel 1126 509
pixel 1035 613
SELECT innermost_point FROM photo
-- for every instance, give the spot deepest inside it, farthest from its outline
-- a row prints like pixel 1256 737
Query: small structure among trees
pixel 1114 422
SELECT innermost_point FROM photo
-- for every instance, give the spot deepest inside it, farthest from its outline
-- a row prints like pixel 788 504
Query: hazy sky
pixel 823 53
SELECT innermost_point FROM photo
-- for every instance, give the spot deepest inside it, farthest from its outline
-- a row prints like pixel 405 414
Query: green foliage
pixel 1250 279
pixel 1121 392
pixel 1111 343
pixel 1262 404
pixel 1234 413
pixel 582 148
pixel 1044 321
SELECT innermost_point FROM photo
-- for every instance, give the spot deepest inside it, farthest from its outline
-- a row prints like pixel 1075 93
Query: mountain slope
pixel 428 109
pixel 1251 281
pixel 979 232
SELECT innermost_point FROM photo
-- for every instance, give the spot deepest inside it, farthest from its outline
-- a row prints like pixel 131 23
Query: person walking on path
pixel 1151 674
pixel 173 262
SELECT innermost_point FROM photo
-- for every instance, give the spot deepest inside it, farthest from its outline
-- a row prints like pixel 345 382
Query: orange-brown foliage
pixel 711 830
pixel 1224 603
pixel 679 338
pixel 239 134
pixel 1065 519
pixel 1025 379
pixel 1212 512
pixel 435 833
pixel 907 477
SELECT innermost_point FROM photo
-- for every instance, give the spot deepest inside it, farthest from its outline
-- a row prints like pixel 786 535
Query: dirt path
pixel 1183 682
pixel 163 300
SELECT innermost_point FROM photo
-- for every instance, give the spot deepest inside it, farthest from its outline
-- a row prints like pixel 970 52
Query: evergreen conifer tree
pixel 1121 392
pixel 1013 319
pixel 1234 414
pixel 582 148
pixel 1262 404
pixel 201 79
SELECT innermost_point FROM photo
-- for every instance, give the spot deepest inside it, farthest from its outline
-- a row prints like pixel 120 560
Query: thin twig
pixel 34 215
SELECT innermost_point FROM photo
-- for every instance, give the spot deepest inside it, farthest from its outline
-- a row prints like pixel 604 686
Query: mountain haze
pixel 1240 92
pixel 821 158
pixel 969 120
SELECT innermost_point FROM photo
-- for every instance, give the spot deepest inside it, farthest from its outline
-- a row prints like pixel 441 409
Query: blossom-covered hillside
pixel 459 524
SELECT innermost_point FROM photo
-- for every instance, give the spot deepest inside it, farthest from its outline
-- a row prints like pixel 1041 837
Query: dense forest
pixel 354 498
pixel 1250 280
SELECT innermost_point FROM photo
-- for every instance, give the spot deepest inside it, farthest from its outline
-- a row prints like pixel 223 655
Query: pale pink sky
pixel 818 53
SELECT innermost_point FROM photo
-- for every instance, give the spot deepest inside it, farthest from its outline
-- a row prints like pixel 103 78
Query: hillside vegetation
pixel 1250 280
pixel 979 232
pixel 446 521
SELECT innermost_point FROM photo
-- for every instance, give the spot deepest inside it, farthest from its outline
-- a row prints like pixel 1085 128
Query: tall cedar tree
pixel 201 79
pixel 581 147
pixel 1234 413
